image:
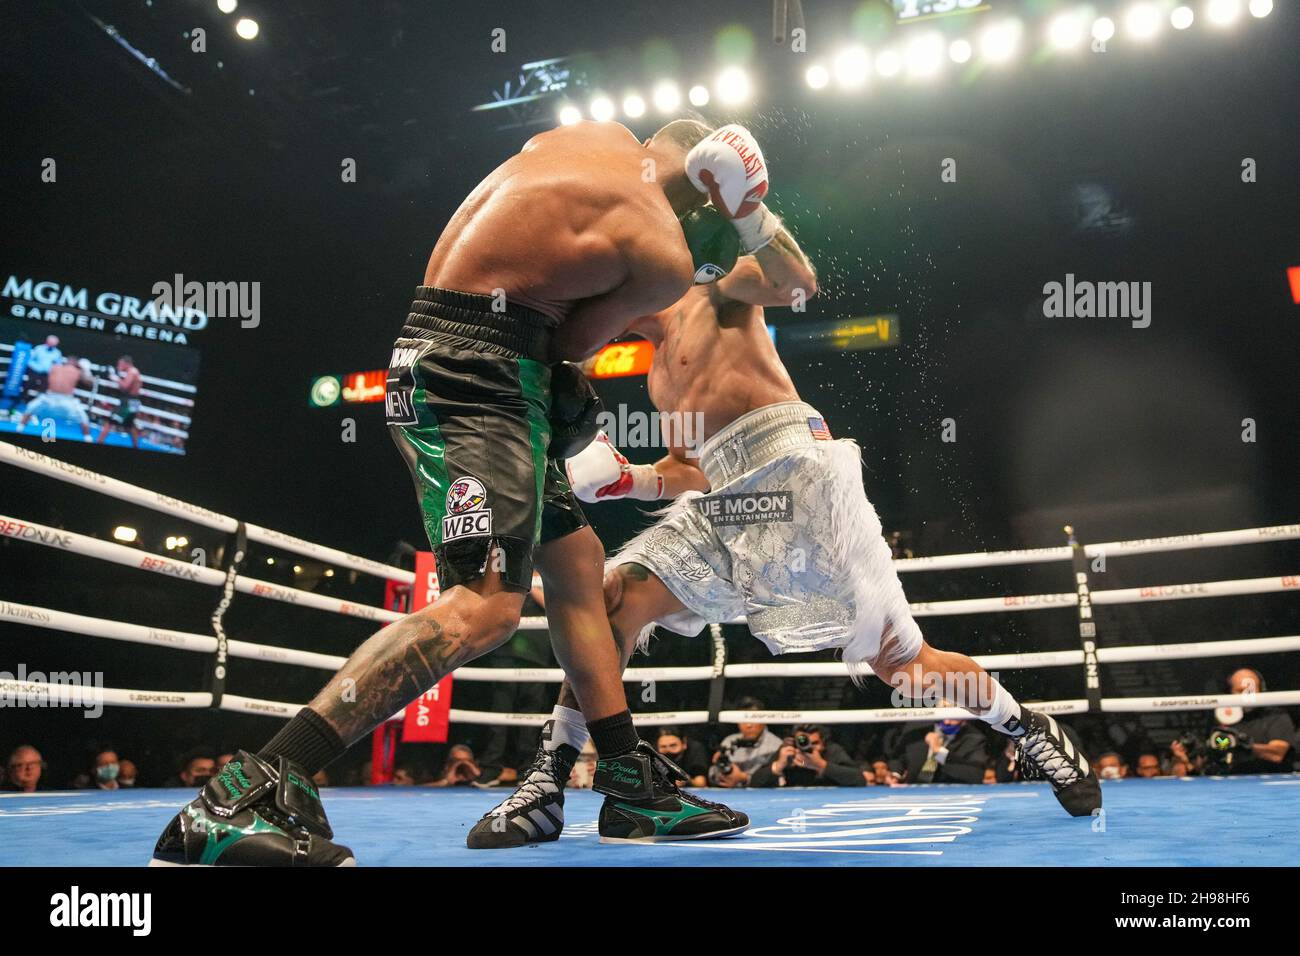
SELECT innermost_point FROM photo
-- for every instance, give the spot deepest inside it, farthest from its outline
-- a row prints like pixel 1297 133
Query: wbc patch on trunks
pixel 466 516
pixel 747 507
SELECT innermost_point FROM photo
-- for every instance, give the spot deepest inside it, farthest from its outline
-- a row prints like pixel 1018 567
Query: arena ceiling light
pixel 959 51
pixel 125 534
pixel 1143 21
pixel 570 114
pixel 817 76
pixel 667 97
pixel 1223 13
pixel 924 56
pixel 601 109
pixel 1182 17
pixel 732 86
pixel 1066 31
pixel 698 95
pixel 1261 8
pixel 247 28
pixel 852 67
pixel 999 42
pixel 633 106
pixel 1103 29
pixel 888 63
pixel 227 6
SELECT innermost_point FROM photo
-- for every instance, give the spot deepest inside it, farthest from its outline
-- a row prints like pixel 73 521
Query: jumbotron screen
pixel 99 366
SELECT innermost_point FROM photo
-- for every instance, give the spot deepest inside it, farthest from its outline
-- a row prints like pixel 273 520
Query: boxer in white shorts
pixel 58 401
pixel 769 521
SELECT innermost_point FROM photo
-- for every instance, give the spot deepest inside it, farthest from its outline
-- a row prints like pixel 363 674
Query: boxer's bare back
pixel 577 226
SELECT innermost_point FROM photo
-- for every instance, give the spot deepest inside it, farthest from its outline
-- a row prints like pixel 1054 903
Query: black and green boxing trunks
pixel 467 400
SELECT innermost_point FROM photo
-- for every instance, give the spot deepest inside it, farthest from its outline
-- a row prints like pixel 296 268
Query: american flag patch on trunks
pixel 819 430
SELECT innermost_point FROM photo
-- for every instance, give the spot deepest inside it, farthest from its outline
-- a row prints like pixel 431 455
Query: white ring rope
pixel 202 643
pixel 116 630
pixel 51 467
pixel 121 554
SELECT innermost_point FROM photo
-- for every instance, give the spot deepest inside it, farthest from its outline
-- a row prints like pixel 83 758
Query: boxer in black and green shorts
pixel 468 403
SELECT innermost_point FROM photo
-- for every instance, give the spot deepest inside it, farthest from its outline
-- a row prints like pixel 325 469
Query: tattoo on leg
pixel 388 671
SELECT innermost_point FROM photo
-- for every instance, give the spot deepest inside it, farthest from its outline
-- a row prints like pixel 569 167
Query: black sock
pixel 614 735
pixel 307 740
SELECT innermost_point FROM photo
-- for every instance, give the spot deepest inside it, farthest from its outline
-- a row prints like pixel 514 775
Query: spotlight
pixel 1182 18
pixel 1103 29
pixel 125 534
pixel 888 63
pixel 570 114
pixel 270 560
pixel 817 77
pixel 602 109
pixel 227 6
pixel 329 572
pixel 998 43
pixel 732 86
pixel 1142 21
pixel 1261 8
pixel 247 28
pixel 170 543
pixel 1223 12
pixel 182 541
pixel 634 106
pixel 698 95
pixel 1066 32
pixel 297 569
pixel 851 67
pixel 925 55
pixel 667 97
pixel 959 51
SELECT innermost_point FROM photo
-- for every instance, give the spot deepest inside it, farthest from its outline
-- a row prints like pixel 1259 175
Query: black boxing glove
pixel 575 411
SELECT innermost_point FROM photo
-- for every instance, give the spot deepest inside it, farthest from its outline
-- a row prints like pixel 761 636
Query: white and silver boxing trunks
pixel 785 538
pixel 58 406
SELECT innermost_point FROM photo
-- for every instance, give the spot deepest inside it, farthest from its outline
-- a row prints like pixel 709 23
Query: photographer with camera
pixel 808 758
pixel 740 754
pixel 1251 739
pixel 460 770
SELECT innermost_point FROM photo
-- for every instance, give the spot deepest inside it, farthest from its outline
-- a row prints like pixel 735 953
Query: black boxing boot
pixel 643 803
pixel 1046 752
pixel 534 813
pixel 253 813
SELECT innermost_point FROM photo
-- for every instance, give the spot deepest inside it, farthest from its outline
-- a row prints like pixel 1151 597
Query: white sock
pixel 566 726
pixel 1003 714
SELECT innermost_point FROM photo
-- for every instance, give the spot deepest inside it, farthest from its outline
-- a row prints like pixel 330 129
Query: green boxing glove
pixel 713 241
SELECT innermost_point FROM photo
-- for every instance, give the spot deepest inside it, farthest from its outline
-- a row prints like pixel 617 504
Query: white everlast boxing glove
pixel 600 472
pixel 730 168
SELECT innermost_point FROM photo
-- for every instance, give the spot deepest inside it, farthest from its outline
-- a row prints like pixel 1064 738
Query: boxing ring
pixel 1230 821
